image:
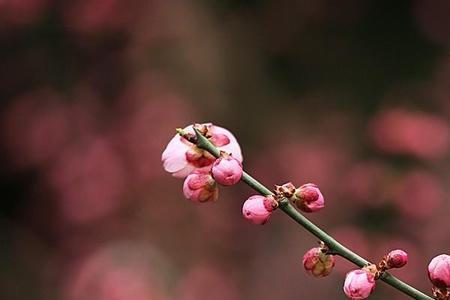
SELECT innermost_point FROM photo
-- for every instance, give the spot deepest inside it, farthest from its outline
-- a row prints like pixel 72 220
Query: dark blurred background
pixel 351 95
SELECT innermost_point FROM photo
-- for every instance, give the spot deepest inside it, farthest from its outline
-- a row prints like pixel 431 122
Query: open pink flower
pixel 181 157
pixel 359 284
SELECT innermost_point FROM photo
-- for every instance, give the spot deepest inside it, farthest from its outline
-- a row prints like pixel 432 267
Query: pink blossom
pixel 199 186
pixel 181 157
pixel 308 198
pixel 396 259
pixel 439 271
pixel 227 170
pixel 257 209
pixel 359 284
pixel 317 263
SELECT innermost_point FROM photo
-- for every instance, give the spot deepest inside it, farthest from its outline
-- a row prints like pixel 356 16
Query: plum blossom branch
pixel 284 204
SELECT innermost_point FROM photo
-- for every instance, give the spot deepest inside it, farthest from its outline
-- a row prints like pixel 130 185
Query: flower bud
pixel 318 263
pixel 308 198
pixel 199 186
pixel 227 170
pixel 396 259
pixel 439 271
pixel 258 209
pixel 359 284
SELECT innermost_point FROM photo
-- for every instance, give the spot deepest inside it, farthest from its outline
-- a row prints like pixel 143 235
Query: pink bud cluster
pixel 203 173
pixel 307 197
pixel 181 157
pixel 201 170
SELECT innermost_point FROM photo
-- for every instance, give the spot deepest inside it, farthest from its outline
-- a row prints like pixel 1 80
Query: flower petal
pixel 232 147
pixel 174 156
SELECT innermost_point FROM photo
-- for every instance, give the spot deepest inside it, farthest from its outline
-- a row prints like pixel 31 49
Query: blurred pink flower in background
pixel 90 16
pixel 143 123
pixel 311 161
pixel 366 181
pixel 400 131
pixel 117 271
pixel 36 127
pixel 89 180
pixel 418 194
pixel 205 282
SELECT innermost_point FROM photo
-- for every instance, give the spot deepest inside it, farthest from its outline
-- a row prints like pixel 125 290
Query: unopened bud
pixel 258 209
pixel 227 170
pixel 199 186
pixel 308 198
pixel 439 271
pixel 359 284
pixel 318 263
pixel 396 259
